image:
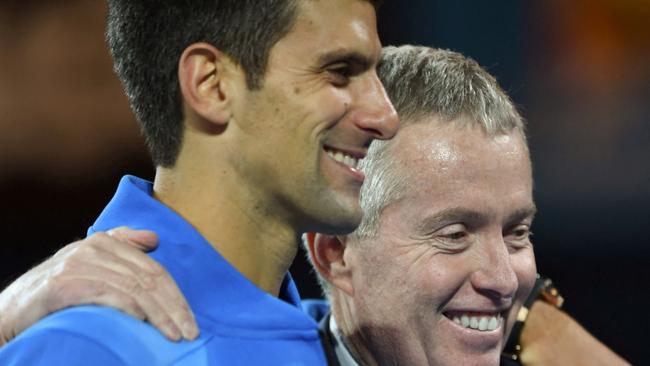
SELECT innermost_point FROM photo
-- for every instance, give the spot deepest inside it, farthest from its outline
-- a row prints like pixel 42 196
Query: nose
pixel 377 115
pixel 495 276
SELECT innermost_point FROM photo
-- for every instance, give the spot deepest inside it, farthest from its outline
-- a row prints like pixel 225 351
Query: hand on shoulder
pixel 109 269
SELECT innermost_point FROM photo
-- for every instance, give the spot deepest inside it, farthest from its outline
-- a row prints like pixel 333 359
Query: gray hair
pixel 425 82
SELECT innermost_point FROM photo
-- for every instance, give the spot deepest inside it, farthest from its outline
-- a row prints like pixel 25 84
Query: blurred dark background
pixel 579 70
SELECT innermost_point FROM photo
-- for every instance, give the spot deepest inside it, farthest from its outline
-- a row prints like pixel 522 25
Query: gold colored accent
pixel 551 295
pixel 522 314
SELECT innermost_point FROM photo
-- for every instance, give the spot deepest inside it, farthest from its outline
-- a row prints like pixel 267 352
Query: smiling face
pixel 452 262
pixel 299 137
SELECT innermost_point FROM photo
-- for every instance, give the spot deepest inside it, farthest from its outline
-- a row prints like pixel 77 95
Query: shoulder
pixel 317 309
pixel 93 335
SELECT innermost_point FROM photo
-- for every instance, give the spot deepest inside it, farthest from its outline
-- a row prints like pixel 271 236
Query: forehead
pixel 438 148
pixel 451 166
pixel 325 26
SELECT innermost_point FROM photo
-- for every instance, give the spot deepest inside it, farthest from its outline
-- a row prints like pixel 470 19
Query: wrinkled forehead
pixel 443 167
pixel 424 133
pixel 435 150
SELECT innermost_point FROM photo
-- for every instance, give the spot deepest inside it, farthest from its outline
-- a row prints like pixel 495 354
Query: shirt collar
pixel 342 352
pixel 214 289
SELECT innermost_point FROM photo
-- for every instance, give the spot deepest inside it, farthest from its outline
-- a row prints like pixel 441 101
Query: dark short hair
pixel 147 37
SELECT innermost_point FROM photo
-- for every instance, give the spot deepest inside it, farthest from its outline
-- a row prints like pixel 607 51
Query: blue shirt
pixel 239 323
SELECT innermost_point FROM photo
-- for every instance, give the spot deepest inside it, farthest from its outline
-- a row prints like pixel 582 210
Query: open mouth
pixel 484 322
pixel 343 157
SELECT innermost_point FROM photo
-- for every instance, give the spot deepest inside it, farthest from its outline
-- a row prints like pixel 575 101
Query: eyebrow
pixel 354 58
pixel 459 214
pixel 453 214
pixel 521 214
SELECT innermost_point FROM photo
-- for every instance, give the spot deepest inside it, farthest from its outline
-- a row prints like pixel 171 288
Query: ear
pixel 207 79
pixel 328 255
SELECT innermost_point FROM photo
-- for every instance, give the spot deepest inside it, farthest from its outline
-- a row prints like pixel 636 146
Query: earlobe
pixel 204 75
pixel 328 254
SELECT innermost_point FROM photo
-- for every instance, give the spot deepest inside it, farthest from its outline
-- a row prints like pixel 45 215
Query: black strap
pixel 328 341
pixel 512 349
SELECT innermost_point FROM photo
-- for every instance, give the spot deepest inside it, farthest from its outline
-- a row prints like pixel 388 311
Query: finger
pixel 157 283
pixel 90 249
pixel 68 291
pixel 117 291
pixel 105 252
pixel 104 247
pixel 141 239
pixel 153 311
pixel 173 302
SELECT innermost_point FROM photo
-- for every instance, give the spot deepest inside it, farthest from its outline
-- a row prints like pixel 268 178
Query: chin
pixel 338 217
pixel 486 359
pixel 341 226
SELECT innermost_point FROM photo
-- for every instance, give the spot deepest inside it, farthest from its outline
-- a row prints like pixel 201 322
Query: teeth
pixel 482 323
pixel 493 324
pixel 346 159
pixel 465 321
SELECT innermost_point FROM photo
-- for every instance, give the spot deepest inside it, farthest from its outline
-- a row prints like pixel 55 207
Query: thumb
pixel 142 239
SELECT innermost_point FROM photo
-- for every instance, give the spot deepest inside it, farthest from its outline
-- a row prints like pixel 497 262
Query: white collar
pixel 342 353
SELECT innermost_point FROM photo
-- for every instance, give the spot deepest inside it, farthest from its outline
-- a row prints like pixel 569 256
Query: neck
pixel 243 228
pixel 343 312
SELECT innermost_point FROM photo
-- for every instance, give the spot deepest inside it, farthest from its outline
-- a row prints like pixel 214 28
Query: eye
pixel 340 73
pixel 522 232
pixel 340 68
pixel 453 231
pixel 458 235
pixel 452 238
pixel 519 236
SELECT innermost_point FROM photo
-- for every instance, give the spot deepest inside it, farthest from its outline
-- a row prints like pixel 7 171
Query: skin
pixel 109 269
pixel 439 250
pixel 252 173
pixel 552 337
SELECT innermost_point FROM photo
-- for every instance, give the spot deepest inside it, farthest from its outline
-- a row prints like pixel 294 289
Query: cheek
pixel 314 112
pixel 382 285
pixel 524 266
pixel 442 276
pixel 333 103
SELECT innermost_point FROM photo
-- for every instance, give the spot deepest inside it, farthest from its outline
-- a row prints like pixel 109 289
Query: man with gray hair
pixel 442 261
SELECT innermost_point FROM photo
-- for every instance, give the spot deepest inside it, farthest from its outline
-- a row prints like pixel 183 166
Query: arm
pixel 552 337
pixel 106 269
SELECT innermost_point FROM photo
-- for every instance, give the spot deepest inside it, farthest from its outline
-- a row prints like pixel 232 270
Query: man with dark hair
pixel 256 114
pixel 142 32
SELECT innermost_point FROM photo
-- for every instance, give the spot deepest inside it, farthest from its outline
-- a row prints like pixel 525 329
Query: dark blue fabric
pixel 316 308
pixel 239 323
